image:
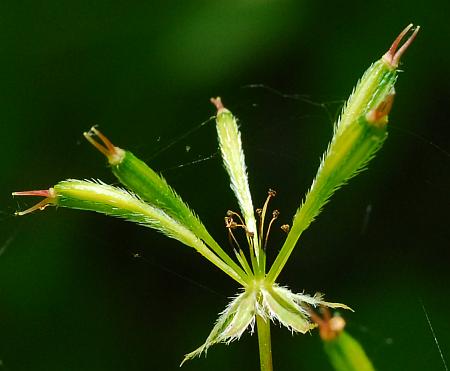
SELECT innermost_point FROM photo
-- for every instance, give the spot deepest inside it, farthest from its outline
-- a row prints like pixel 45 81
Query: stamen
pixel 275 215
pixel 114 154
pixel 271 193
pixel 230 223
pixel 285 228
pixel 50 199
pixel 393 55
pixel 233 239
pixel 230 213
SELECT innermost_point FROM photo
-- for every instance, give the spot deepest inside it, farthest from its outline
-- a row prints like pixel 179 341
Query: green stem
pixel 265 347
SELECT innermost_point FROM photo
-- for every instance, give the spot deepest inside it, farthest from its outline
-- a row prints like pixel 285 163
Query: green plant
pixel 148 200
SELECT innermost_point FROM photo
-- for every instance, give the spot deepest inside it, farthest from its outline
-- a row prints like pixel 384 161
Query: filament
pixel 271 193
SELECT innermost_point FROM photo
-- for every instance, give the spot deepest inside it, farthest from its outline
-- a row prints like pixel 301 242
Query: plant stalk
pixel 264 342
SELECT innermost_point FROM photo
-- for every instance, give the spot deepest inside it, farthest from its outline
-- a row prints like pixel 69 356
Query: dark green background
pixel 73 297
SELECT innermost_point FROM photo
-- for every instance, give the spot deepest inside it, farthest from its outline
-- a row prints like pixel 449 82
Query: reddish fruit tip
pixel 395 52
pixel 105 146
pixel 42 193
pixel 218 103
pixel 50 198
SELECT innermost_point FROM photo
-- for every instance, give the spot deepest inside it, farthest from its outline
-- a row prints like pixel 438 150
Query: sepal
pixel 273 302
pixel 292 310
pixel 231 324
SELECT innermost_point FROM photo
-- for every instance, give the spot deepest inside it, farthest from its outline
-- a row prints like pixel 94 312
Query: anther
pixel 285 228
pixel 275 215
pixel 231 213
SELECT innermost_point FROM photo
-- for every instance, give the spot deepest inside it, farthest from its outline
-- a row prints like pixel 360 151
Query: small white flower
pixel 274 303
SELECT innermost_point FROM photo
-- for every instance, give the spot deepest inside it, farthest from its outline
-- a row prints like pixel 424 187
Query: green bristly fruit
pixel 346 354
pixel 137 176
pixel 358 135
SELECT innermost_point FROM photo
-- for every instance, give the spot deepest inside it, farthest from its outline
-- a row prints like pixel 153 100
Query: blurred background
pixel 80 291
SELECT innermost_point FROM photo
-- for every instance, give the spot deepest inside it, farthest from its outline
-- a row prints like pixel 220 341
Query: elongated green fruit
pixel 234 161
pixel 358 134
pixel 346 354
pixel 343 351
pixel 109 200
pixel 137 176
